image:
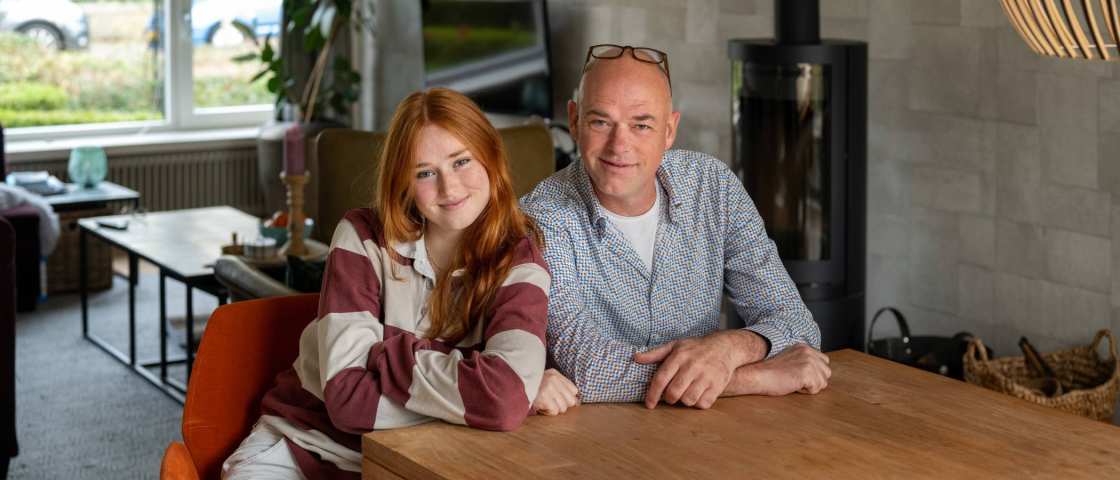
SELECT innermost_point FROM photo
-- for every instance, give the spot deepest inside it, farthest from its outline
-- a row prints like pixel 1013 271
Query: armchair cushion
pixel 247 282
pixel 177 463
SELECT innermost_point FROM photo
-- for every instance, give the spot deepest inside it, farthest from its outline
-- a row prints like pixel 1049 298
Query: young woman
pixel 433 304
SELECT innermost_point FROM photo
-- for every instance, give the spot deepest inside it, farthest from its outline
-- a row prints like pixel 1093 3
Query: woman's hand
pixel 556 395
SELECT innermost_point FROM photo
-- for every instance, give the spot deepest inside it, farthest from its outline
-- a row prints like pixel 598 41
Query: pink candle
pixel 294 151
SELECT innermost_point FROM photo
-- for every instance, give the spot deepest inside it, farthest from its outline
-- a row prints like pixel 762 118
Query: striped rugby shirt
pixel 364 363
pixel 605 305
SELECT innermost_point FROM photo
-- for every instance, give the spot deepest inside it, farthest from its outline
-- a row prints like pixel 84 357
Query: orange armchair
pixel 244 347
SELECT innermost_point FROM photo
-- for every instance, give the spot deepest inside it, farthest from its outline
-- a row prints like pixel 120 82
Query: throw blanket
pixel 11 197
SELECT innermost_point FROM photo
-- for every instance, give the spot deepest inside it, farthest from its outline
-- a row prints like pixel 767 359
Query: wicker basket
pixel 63 265
pixel 1094 380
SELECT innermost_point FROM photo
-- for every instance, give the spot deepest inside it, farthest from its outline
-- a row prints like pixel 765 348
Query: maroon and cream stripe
pixel 364 363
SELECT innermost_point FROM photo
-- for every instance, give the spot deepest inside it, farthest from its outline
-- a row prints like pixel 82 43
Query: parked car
pixel 212 21
pixel 210 17
pixel 55 24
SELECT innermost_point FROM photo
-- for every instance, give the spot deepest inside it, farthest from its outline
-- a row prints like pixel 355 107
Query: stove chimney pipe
pixel 797 22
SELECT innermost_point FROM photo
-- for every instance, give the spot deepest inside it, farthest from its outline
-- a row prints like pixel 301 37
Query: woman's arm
pixel 378 376
pixel 489 388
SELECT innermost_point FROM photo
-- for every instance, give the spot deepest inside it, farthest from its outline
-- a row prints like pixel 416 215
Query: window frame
pixel 180 113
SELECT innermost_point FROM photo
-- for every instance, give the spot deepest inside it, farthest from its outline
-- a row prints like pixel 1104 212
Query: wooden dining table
pixel 877 419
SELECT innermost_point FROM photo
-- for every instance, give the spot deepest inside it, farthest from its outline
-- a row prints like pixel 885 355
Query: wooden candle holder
pixel 295 184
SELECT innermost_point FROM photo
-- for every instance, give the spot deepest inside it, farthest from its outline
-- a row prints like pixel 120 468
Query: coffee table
pixel 183 244
pixel 73 204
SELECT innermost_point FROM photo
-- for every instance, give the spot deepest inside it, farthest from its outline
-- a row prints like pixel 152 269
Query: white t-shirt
pixel 641 230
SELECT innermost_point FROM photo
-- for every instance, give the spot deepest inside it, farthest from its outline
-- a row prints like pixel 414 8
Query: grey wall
pixel 991 171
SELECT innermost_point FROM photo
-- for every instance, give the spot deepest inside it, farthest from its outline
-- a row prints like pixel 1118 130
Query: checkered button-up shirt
pixel 604 305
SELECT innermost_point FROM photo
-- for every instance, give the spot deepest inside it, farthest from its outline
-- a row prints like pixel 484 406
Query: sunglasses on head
pixel 608 51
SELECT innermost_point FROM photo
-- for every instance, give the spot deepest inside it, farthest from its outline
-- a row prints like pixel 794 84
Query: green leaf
pixel 301 16
pixel 245 57
pixel 326 21
pixel 259 75
pixel 317 17
pixel 274 85
pixel 267 53
pixel 246 31
pixel 344 7
pixel 313 41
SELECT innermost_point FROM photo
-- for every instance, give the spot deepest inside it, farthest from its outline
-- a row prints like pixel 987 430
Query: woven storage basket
pixel 1094 380
pixel 62 265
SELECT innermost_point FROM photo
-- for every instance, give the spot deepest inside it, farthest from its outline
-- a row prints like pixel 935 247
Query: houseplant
pixel 313 72
pixel 312 77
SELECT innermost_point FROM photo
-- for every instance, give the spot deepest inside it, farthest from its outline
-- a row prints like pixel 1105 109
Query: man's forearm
pixel 744 381
pixel 745 346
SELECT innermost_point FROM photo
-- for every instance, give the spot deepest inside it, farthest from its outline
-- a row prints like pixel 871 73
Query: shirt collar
pixel 596 214
pixel 418 252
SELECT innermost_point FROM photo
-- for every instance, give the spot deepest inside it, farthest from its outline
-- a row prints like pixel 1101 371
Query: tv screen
pixel 496 52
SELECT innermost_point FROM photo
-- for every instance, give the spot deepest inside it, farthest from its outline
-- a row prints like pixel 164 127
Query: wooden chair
pixel 246 344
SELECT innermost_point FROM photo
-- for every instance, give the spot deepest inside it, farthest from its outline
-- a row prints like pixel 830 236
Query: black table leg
pixel 162 325
pixel 82 287
pixel 190 329
pixel 132 274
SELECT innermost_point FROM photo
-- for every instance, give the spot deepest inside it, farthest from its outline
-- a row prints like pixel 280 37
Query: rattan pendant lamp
pixel 1085 29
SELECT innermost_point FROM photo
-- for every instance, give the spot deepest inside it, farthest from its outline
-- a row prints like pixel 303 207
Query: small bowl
pixel 280 234
pixel 261 248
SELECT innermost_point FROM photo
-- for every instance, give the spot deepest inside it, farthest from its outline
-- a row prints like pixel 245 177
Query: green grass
pixel 222 91
pixel 446 46
pixel 31 96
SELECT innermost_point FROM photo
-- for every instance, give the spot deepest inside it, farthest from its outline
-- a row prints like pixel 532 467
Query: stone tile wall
pixel 994 182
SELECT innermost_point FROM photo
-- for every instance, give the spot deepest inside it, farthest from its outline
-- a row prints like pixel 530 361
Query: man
pixel 642 241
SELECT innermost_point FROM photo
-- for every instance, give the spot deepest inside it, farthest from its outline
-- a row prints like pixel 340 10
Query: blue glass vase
pixel 88 166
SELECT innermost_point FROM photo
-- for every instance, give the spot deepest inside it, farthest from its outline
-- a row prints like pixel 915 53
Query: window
pixel 219 82
pixel 88 67
pixel 495 52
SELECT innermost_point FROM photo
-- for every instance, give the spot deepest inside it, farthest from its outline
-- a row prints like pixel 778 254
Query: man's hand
pixel 695 371
pixel 801 368
pixel 556 395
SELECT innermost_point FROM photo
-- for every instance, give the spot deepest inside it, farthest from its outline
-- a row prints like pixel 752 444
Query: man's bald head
pixel 624 67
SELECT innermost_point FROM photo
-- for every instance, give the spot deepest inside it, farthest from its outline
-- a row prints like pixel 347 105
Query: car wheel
pixel 45 34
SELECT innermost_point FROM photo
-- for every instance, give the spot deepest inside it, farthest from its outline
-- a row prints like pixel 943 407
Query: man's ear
pixel 671 131
pixel 573 119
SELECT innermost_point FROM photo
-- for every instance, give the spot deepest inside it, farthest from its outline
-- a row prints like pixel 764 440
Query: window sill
pixel 163 142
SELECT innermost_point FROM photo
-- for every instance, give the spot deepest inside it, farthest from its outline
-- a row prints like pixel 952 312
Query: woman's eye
pixel 462 162
pixel 424 174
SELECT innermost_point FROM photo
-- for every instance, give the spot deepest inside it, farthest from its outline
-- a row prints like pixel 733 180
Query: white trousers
pixel 263 454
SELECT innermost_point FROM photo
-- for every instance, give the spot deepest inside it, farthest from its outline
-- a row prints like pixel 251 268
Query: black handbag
pixel 940 355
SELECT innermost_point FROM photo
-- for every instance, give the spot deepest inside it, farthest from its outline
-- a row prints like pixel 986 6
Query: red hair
pixel 486 249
